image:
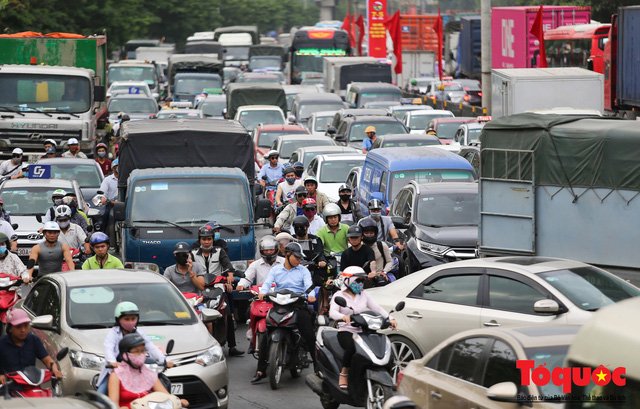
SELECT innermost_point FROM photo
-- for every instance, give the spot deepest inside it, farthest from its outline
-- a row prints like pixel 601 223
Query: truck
pixel 470 47
pixel 236 41
pixel 560 186
pixel 191 74
pixel 158 54
pixel 177 175
pixel 416 64
pixel 515 90
pixel 513 46
pixel 51 87
pixel 450 41
pixel 267 57
pixel 239 94
pixel 338 72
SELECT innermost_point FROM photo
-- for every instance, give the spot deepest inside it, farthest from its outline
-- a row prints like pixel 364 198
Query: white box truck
pixel 332 70
pixel 517 90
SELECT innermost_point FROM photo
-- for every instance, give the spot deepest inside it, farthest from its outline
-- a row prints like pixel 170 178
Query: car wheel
pixel 404 351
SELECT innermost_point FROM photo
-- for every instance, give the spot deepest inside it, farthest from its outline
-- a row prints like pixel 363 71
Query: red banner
pixel 376 14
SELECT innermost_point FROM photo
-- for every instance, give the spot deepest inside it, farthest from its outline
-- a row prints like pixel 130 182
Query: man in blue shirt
pixel 272 170
pixel 290 276
pixel 369 140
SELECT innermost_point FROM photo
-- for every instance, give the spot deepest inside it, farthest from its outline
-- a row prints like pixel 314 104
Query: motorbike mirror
pixel 210 315
pixel 97 200
pixel 170 346
pixel 400 306
pixel 38 218
pixel 341 302
pixel 62 353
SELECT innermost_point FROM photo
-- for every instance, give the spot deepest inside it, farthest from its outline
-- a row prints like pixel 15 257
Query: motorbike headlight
pixel 432 248
pixel 147 266
pixel 210 356
pixel 167 404
pixel 86 360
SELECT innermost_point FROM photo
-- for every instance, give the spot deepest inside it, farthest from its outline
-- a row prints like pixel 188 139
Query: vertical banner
pixel 376 14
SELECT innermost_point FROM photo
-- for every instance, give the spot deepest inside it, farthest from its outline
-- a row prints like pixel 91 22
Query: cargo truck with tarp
pixel 267 57
pixel 561 186
pixel 192 74
pixel 254 94
pixel 51 87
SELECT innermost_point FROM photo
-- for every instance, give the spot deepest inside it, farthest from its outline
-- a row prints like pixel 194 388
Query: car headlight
pixel 86 360
pixel 210 356
pixel 432 248
pixel 167 404
pixel 146 266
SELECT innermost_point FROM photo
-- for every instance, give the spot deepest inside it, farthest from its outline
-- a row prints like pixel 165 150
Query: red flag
pixel 395 31
pixel 536 30
pixel 346 26
pixel 437 27
pixel 352 31
pixel 360 24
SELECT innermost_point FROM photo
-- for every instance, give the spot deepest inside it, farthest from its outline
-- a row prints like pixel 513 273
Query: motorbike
pixel 213 297
pixel 194 300
pixel 286 350
pixel 258 321
pixel 370 383
pixel 157 400
pixel 9 286
pixel 28 382
pixel 78 258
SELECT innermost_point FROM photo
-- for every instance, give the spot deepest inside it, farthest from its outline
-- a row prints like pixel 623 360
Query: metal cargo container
pixel 470 47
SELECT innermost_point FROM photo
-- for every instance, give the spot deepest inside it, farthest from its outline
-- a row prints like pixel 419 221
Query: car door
pixel 508 299
pixel 44 299
pixel 294 157
pixel 442 305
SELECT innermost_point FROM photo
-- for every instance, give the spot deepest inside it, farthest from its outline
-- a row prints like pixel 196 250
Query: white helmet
pixel 51 226
pixel 62 212
pixel 351 273
pixel 331 209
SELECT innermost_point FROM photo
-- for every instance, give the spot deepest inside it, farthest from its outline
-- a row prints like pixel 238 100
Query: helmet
pixel 224 111
pixel 62 212
pixel 344 187
pixel 284 236
pixel 126 308
pixel 369 225
pixel 101 145
pixel 374 204
pixel 268 243
pixel 331 209
pixel 25 166
pixel 351 273
pixel 51 226
pixel 17 151
pixel 208 229
pixel 399 402
pixel 121 114
pixel 181 247
pixel 288 169
pixel 4 238
pixel 124 117
pixel 59 193
pixel 50 142
pixel 431 131
pixel 370 129
pixel 300 221
pixel 309 202
pixel 115 163
pixel 311 179
pixel 130 341
pixel 70 201
pixel 298 165
pixel 99 237
pixel 301 190
pixel 354 231
pixel 295 249
pixel 72 141
pixel 271 153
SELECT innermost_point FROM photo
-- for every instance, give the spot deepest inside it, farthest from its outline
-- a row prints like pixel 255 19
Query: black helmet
pixel 344 187
pixel 300 221
pixel 374 204
pixel 295 249
pixel 4 238
pixel 181 247
pixel 130 341
pixel 354 231
pixel 301 189
pixel 288 169
pixel 208 229
pixel 369 225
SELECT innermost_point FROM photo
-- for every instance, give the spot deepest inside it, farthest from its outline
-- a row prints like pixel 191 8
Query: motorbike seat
pixel 330 339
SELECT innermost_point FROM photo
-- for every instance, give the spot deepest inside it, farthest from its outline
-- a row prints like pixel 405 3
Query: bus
pixel 309 45
pixel 581 46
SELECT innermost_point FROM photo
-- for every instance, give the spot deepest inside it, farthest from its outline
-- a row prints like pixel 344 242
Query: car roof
pixel 473 125
pixel 72 161
pixel 460 119
pixel 281 128
pixel 326 148
pixel 131 96
pixel 129 82
pixel 297 89
pixel 323 97
pixel 323 113
pixel 378 118
pixel 58 183
pixel 107 276
pixel 341 156
pixel 373 86
pixel 426 112
pixel 407 107
pixel 523 264
pixel 418 157
pixel 296 137
pixel 362 111
pixel 447 187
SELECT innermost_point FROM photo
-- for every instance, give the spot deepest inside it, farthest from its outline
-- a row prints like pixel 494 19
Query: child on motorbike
pixel 359 302
pixel 131 379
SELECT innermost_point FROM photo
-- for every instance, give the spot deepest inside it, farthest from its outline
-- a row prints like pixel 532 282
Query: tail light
pixel 399 379
pixel 466 97
pixel 479 94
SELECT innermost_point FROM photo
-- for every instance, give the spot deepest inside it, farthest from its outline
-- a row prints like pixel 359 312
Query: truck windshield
pixel 380 96
pixel 193 85
pixel 25 200
pixel 125 73
pixel 188 201
pixel 400 179
pixel 236 53
pixel 307 63
pixel 257 63
pixel 450 209
pixel 382 128
pixel 49 93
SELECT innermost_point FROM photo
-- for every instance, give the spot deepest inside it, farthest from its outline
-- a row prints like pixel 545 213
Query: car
pixel 493 292
pixel 251 116
pixel 381 105
pixel 472 154
pixel 420 85
pixel 177 113
pixel 306 153
pixel 213 105
pixel 479 368
pixel 468 133
pixel 305 104
pixel 399 110
pixel 128 87
pixel 446 128
pixel 134 70
pixel 136 106
pixel 292 90
pixel 264 135
pixel 360 93
pixel 448 91
pixel 76 311
pixel 436 215
pixel 331 170
pixel 27 200
pixel 287 144
pixel 319 122
pixel 473 89
pixel 258 78
pixel 418 120
pixel 404 140
pixel 353 112
pixel 351 129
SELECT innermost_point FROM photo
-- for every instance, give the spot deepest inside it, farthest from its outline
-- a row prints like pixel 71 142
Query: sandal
pixel 343 385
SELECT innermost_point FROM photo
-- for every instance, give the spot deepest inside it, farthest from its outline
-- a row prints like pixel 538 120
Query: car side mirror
pixel 210 315
pixel 119 211
pixel 169 347
pixel 291 119
pixel 263 209
pixel 38 218
pixel 43 322
pixel 399 306
pixel 399 222
pixel 331 130
pixel 503 392
pixel 546 306
pixel 62 354
pixel 340 138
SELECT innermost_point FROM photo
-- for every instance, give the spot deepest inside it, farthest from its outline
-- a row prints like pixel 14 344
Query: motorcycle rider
pixel 283 239
pixel 272 170
pixel 100 244
pixel 71 233
pixel 334 233
pixel 74 150
pixel 283 222
pixel 186 275
pixel 311 183
pixel 359 301
pixel 11 168
pixel 384 262
pixel 259 269
pixel 10 263
pixel 7 229
pixel 386 228
pixel 49 153
pixel 4 215
pixel 19 348
pixel 358 254
pixel 56 197
pixel 49 143
pixel 309 212
pixel 297 278
pixel 102 159
pixel 50 252
pixel 77 216
pixel 109 188
pixel 310 243
pixel 299 169
pixel 349 208
pixel 286 190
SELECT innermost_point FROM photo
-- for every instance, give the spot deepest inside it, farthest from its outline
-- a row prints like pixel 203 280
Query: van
pixel 360 93
pixel 387 170
pixel 610 338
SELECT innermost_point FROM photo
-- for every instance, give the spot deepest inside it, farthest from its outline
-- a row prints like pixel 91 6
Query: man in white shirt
pixel 109 189
pixel 12 167
pixel 259 269
pixel 71 233
pixel 74 150
pixel 5 227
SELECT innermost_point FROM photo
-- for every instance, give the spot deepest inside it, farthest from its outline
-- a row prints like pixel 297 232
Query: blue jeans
pixel 102 388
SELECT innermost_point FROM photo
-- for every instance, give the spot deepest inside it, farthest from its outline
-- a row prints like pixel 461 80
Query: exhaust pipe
pixel 314 382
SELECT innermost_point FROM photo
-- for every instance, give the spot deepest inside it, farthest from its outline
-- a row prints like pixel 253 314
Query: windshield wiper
pixel 39 111
pixel 65 112
pixel 163 222
pixel 90 326
pixel 7 109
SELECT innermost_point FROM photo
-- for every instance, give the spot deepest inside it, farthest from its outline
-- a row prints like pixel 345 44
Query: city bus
pixel 309 45
pixel 581 46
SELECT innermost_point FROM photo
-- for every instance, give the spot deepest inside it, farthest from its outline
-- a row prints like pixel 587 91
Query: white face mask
pixel 64 225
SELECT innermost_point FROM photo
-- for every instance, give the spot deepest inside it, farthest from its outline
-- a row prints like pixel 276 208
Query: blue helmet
pixel 298 165
pixel 115 162
pixel 99 237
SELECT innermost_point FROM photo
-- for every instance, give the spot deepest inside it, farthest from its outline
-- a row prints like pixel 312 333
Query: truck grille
pixel 31 140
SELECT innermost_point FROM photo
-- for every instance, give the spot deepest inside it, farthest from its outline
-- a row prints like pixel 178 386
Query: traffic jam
pixel 351 214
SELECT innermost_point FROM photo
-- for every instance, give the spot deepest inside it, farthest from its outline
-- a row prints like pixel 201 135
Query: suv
pixel 440 222
pixel 350 132
pixel 343 113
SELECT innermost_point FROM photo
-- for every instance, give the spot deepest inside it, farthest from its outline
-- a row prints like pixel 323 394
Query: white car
pixel 332 170
pixel 251 116
pixel 418 120
pixel 468 134
pixel 491 292
pixel 318 122
pixel 129 87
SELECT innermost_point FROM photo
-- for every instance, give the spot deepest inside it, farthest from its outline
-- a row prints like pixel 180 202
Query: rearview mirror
pixel 119 211
pixel 399 222
pixel 341 301
pixel 210 315
pixel 503 392
pixel 62 353
pixel 331 130
pixel 263 209
pixel 99 93
pixel 400 306
pixel 546 306
pixel 341 138
pixel 14 226
pixel 43 322
pixel 170 346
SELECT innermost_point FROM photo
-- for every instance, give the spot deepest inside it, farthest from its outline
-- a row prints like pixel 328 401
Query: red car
pixel 265 135
pixel 446 128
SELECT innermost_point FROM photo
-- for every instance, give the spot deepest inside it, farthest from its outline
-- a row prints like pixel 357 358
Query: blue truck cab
pixel 387 170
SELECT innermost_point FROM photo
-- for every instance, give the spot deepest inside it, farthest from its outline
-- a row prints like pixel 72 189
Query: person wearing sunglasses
pixel 12 168
pixel 357 302
pixel 285 218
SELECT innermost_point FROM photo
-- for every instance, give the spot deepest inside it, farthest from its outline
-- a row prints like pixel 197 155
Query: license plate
pixel 176 389
pixel 24 252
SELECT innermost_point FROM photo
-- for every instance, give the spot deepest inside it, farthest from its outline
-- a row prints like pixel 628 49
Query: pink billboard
pixel 512 46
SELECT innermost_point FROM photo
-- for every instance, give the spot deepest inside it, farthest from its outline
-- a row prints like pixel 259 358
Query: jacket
pixel 321 201
pixel 218 261
pixel 285 218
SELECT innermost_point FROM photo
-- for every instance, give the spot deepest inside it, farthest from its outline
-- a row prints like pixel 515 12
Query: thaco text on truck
pixel 177 175
pixel 51 87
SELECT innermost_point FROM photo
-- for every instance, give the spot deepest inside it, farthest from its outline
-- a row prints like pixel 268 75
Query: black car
pixel 350 132
pixel 440 222
pixel 354 112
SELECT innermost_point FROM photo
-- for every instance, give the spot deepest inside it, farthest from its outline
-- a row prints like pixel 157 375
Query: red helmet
pixel 308 202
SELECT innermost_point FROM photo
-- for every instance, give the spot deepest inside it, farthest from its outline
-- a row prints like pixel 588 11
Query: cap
pixel 294 248
pixel 17 151
pixel 370 129
pixel 181 247
pixel 17 317
pixel 354 231
pixel 51 149
pixel 72 141
pixel 116 162
pixel 301 189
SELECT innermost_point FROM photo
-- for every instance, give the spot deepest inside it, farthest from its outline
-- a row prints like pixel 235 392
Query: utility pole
pixel 485 23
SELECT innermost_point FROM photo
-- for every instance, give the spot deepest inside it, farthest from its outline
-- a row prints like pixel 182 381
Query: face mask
pixel 102 154
pixel 299 172
pixel 356 287
pixel 64 225
pixel 290 181
pixel 3 249
pixel 206 248
pixel 369 239
pixel 129 326
pixel 216 236
pixel 57 202
pixel 136 360
pixel 376 216
pixel 300 231
pixel 309 214
pixel 16 160
pixel 181 258
pixel 345 198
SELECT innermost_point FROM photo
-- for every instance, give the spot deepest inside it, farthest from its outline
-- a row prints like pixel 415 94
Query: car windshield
pixel 159 304
pixel 382 128
pixel 449 86
pixel 335 171
pixel 193 86
pixel 400 179
pixel 399 112
pixel 589 288
pixel 257 63
pixel 474 134
pixel 446 130
pixel 125 73
pixel 396 143
pixel 86 175
pixel 253 118
pixel 380 96
pixel 214 107
pixel 168 199
pixel 550 357
pixel 132 105
pixel 48 93
pixel 267 138
pixel 288 147
pixel 322 123
pixel 449 209
pixel 307 109
pixel 420 122
pixel 25 200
